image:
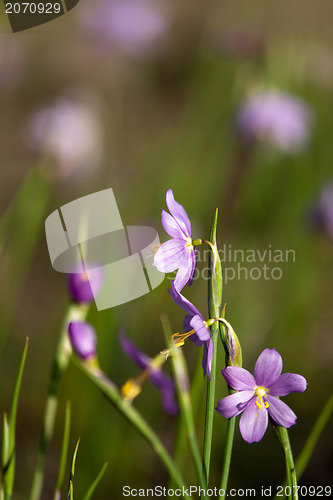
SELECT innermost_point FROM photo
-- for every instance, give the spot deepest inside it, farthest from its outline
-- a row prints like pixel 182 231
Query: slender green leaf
pixel 8 465
pixel 71 475
pixel 308 448
pixel 64 452
pixel 94 485
pixel 5 443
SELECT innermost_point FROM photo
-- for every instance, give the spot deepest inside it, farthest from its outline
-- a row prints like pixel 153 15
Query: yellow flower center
pixel 189 244
pixel 261 392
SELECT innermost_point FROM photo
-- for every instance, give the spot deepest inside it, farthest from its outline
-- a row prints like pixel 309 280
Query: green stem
pixel 210 407
pixel 60 363
pixel 227 454
pixel 283 436
pixel 111 392
pixel 214 304
pixel 183 391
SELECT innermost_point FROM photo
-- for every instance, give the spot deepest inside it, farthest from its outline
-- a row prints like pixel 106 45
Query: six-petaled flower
pixel 179 252
pixel 258 396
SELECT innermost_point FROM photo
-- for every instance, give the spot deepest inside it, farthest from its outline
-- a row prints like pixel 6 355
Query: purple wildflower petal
pixel 233 405
pixel 182 302
pixel 131 350
pixel 169 403
pixel 179 213
pixel 200 328
pixel 253 423
pixel 280 412
pixel 268 367
pixel 207 358
pixel 239 378
pixel 184 271
pixel 169 256
pixel 157 377
pixel 171 227
pixel 288 383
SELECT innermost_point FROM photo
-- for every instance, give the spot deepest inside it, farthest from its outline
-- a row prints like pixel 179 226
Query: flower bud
pixel 83 339
pixel 80 287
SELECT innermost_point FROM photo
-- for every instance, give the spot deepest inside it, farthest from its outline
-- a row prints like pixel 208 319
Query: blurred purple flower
pixel 135 26
pixel 279 118
pixel 79 284
pixel 258 396
pixel 69 132
pixel 156 376
pixel 83 339
pixel 195 328
pixel 179 252
pixel 321 215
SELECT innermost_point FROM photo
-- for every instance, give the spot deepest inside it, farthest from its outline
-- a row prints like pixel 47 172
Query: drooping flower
pixel 135 26
pixel 195 327
pixel 83 339
pixel 68 132
pixel 258 396
pixel 321 215
pixel 153 372
pixel 276 117
pixel 80 287
pixel 179 252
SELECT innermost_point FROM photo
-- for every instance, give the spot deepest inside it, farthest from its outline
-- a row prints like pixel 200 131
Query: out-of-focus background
pixel 232 107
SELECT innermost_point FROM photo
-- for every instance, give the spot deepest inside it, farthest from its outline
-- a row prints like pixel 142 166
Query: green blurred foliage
pixel 170 123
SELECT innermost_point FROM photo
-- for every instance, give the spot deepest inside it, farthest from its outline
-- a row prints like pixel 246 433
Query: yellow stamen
pixel 130 390
pixel 261 392
pixel 179 338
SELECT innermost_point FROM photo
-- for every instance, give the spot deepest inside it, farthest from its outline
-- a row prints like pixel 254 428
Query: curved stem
pixel 111 392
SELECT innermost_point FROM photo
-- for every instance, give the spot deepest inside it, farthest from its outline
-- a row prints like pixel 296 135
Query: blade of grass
pixel 64 452
pixel 72 472
pixel 94 485
pixel 8 453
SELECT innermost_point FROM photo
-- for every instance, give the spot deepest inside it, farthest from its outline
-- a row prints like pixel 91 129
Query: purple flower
pixel 79 284
pixel 83 339
pixel 321 215
pixel 258 397
pixel 135 26
pixel 179 252
pixel 276 117
pixel 196 329
pixel 155 374
pixel 69 132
